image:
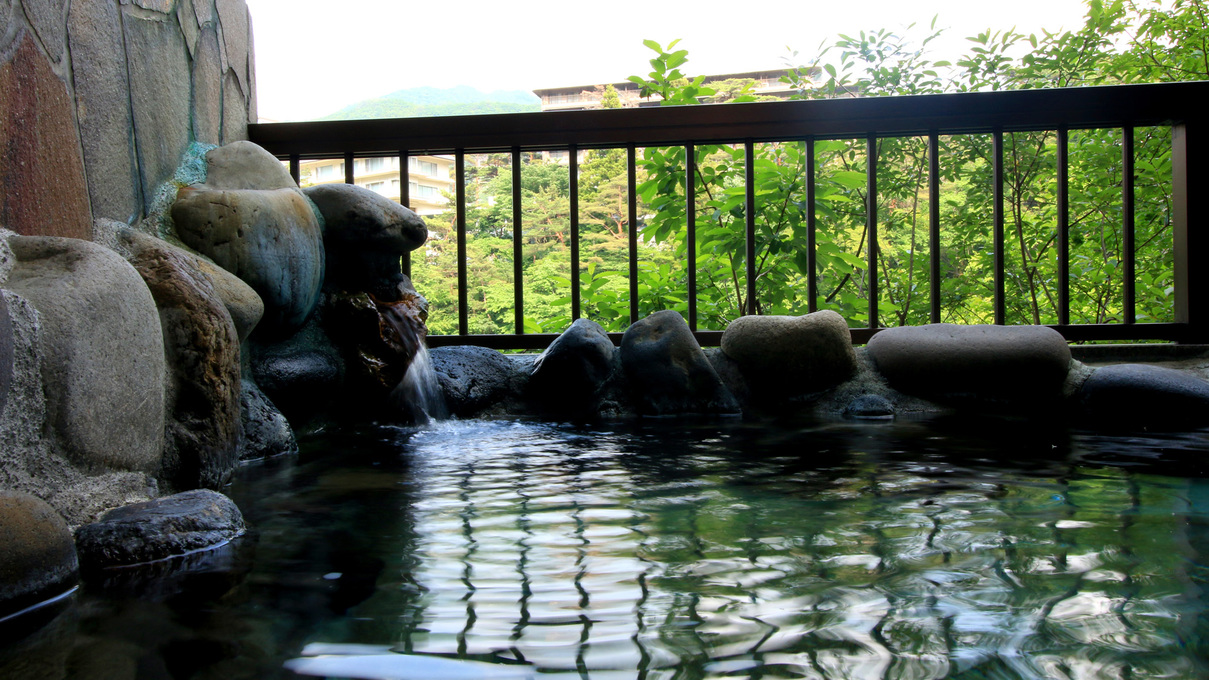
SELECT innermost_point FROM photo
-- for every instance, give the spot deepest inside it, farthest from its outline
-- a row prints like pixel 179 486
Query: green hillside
pixel 431 101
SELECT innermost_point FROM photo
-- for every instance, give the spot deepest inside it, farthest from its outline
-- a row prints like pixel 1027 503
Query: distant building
pixel 581 97
pixel 429 178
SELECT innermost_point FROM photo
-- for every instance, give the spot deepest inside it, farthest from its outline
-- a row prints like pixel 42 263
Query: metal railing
pixel 1124 107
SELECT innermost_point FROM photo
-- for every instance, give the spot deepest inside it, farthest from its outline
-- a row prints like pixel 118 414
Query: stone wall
pixel 100 99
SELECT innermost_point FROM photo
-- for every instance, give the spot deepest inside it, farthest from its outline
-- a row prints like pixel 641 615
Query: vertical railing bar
pixel 812 242
pixel 460 189
pixel 518 244
pixel 871 224
pixel 631 164
pixel 573 157
pixel 997 179
pixel 1127 205
pixel 690 197
pixel 405 201
pixel 1063 226
pixel 749 239
pixel 296 168
pixel 934 281
pixel 349 178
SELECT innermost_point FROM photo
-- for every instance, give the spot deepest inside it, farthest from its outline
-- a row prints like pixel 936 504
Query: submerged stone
pixel 38 561
pixel 1012 366
pixel 1139 395
pixel 784 356
pixel 159 529
pixel 666 371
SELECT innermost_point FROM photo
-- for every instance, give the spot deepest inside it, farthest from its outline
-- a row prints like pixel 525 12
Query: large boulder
pixel 38 561
pixel 1011 366
pixel 475 379
pixel 244 165
pixel 103 353
pixel 1139 395
pixel 301 376
pixel 567 378
pixel 783 356
pixel 364 238
pixel 666 371
pixel 159 529
pixel 266 432
pixel 6 353
pixel 201 345
pixel 271 239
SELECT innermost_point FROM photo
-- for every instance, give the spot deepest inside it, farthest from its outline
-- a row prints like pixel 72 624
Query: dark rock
pixel 269 239
pixel 38 561
pixel 666 370
pixel 207 86
pixel 364 237
pixel 567 378
pixel 160 94
pixel 785 356
pixel 202 350
pixel 298 379
pixel 974 366
pixel 42 186
pixel 266 432
pixel 6 353
pixel 730 373
pixel 102 89
pixel 103 366
pixel 378 340
pixel 870 407
pixel 475 379
pixel 159 529
pixel 1138 395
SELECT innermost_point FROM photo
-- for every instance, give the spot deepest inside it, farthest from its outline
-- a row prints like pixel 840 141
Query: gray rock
pixel 160 94
pixel 242 303
pixel 204 9
pixel 161 6
pixel 266 432
pixel 475 379
pixel 244 165
pixel 187 18
pixel 269 239
pixel 666 370
pixel 39 558
pixel 234 109
pixel 1011 366
pixel 103 108
pixel 364 237
pixel 46 18
pixel 870 407
pixel 567 378
pixel 207 87
pixel 102 350
pixel 783 356
pixel 201 346
pixel 159 529
pixel 233 15
pixel 6 353
pixel 1139 395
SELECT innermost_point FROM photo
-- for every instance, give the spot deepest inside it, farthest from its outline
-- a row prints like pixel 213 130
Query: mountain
pixel 433 101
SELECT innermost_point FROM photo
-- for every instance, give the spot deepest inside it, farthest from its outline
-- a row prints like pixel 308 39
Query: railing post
pixel 632 205
pixel 1128 268
pixel 1063 226
pixel 1190 172
pixel 573 170
pixel 349 176
pixel 749 240
pixel 690 198
pixel 296 168
pixel 812 240
pixel 997 212
pixel 518 244
pixel 405 201
pixel 871 223
pixel 459 165
pixel 934 226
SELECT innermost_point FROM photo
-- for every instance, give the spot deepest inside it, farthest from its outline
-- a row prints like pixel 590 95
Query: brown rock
pixel 103 108
pixel 39 557
pixel 42 186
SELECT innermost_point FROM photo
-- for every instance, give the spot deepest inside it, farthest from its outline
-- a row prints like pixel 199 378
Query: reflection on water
pixel 674 551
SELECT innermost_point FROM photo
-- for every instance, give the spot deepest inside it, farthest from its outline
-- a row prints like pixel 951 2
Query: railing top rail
pixel 1040 109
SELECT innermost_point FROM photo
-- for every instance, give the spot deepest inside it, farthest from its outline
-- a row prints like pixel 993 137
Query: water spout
pixel 419 392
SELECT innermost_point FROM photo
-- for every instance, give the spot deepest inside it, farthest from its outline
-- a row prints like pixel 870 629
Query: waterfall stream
pixel 419 392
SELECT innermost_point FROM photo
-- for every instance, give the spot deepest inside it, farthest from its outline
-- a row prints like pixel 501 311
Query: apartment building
pixel 582 97
pixel 430 178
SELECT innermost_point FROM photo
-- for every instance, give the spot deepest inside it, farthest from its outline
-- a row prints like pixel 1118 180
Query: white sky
pixel 315 56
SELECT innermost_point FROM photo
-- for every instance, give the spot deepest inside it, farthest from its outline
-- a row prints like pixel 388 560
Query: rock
pixel 6 353
pixel 377 339
pixel 233 15
pixel 46 18
pixel 666 370
pixel 365 236
pixel 159 529
pixel 870 407
pixel 730 374
pixel 300 380
pixel 269 239
pixel 1020 366
pixel 783 356
pixel 207 84
pixel 475 379
pixel 102 88
pixel 1139 395
pixel 42 186
pixel 244 165
pixel 201 346
pixel 160 94
pixel 103 352
pixel 266 432
pixel 234 106
pixel 38 561
pixel 567 378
